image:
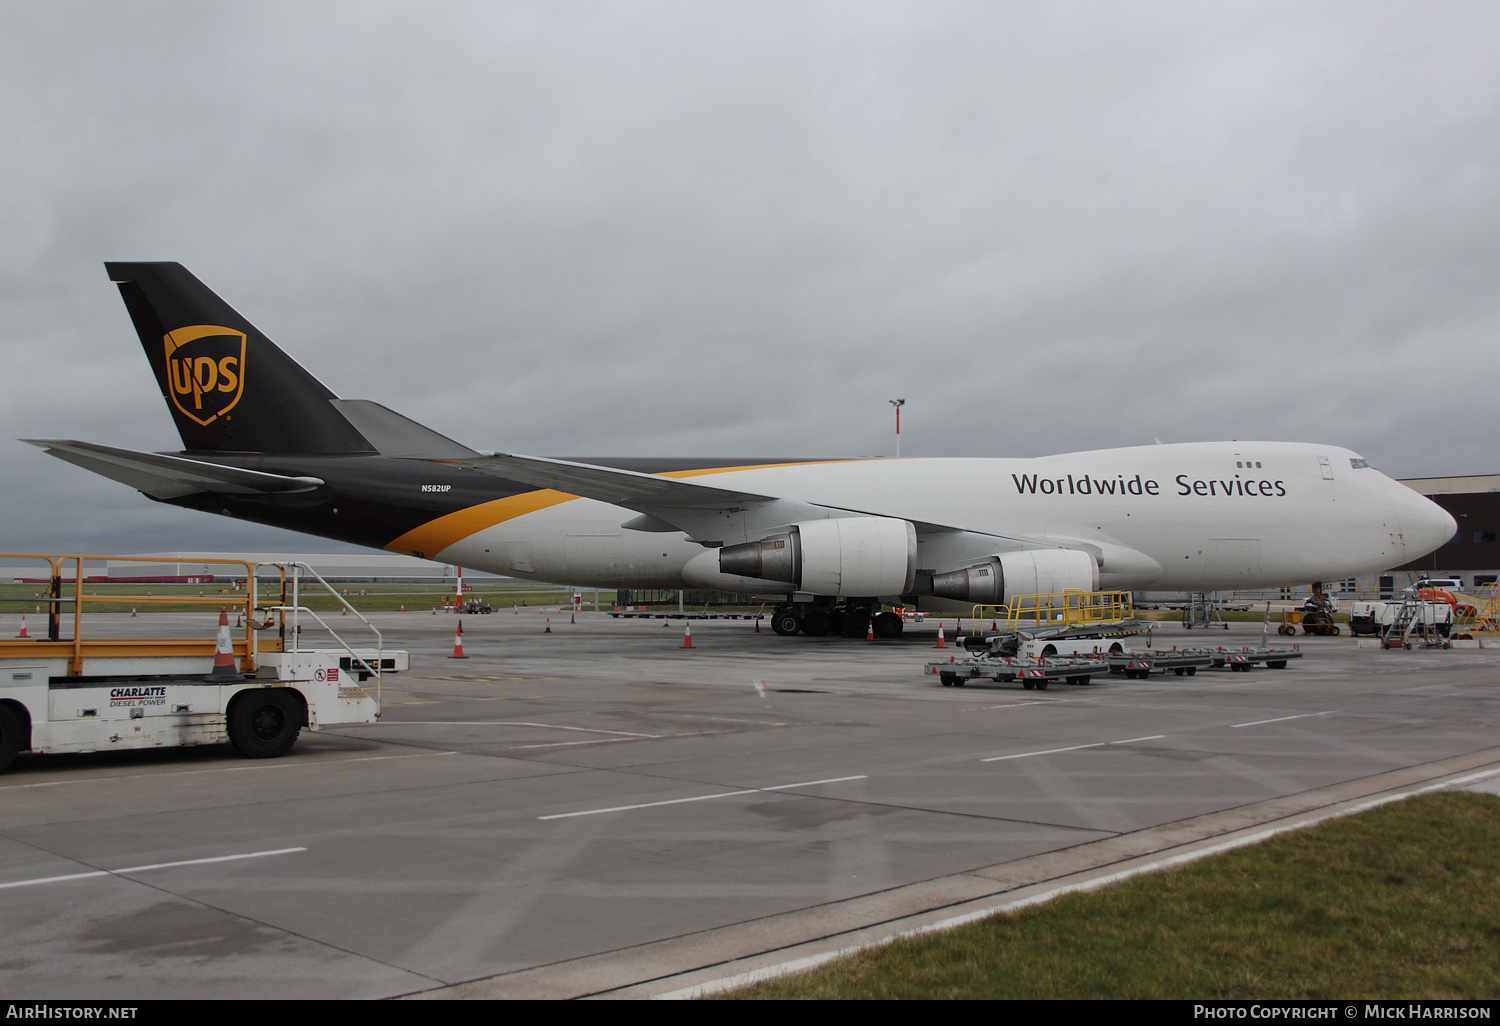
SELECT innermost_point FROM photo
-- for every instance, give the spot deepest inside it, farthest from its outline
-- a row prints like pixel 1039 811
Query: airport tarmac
pixel 600 812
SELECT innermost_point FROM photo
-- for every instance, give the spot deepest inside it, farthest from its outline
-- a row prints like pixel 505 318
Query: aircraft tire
pixel 888 625
pixel 817 624
pixel 11 731
pixel 264 722
pixel 786 623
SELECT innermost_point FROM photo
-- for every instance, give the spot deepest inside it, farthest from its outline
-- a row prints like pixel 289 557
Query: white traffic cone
pixel 224 669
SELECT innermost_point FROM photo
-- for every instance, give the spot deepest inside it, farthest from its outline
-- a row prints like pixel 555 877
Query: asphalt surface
pixel 600 812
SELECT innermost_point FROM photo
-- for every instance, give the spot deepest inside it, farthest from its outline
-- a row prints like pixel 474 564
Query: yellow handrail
pixel 79 598
pixel 1068 608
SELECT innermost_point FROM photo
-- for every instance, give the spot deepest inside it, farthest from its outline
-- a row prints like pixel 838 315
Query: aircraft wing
pixel 168 477
pixel 705 512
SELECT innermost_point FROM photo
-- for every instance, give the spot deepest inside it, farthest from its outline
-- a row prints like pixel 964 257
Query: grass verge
pixel 1402 901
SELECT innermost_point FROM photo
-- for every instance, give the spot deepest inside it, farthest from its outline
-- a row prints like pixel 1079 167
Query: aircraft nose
pixel 1425 526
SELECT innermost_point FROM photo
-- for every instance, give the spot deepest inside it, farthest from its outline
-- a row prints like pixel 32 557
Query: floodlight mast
pixel 898 403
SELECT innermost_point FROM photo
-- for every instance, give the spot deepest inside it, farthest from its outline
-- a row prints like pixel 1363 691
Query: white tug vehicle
pixel 255 691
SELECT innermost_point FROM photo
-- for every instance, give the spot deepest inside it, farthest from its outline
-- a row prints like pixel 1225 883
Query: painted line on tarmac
pixel 146 869
pixel 1073 748
pixel 700 798
pixel 1282 719
pixel 510 723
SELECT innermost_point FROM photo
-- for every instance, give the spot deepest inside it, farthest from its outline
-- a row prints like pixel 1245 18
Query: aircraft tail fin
pixel 229 388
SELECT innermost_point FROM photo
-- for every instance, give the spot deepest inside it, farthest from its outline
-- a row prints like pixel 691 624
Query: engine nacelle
pixel 846 557
pixel 1029 572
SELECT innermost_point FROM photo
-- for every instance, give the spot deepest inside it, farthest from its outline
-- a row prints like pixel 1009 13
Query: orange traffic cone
pixel 687 635
pixel 942 642
pixel 573 618
pixel 23 633
pixel 757 625
pixel 458 642
pixel 237 621
pixel 870 630
pixel 224 670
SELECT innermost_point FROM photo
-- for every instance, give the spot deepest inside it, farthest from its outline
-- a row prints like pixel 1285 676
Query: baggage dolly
pixel 1242 660
pixel 1034 674
pixel 1140 665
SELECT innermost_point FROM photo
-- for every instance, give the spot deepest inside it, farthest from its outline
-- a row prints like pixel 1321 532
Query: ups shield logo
pixel 205 370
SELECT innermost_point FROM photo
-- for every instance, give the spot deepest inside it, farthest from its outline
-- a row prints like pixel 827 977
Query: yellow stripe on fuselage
pixel 436 535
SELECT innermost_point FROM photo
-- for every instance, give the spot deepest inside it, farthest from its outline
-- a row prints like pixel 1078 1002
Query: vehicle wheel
pixel 1083 678
pixel 1029 685
pixel 1116 648
pixel 11 731
pixel 888 625
pixel 948 679
pixel 786 623
pixel 1278 664
pixel 1048 651
pixel 1192 671
pixel 1334 630
pixel 817 624
pixel 1041 685
pixel 263 722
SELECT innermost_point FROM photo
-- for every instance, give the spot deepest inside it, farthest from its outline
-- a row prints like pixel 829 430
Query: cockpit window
pixel 1359 462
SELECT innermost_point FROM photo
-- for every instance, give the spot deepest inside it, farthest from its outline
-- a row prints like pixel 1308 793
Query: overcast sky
pixel 695 228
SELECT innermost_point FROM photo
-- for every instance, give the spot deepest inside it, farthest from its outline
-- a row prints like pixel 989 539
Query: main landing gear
pixel 851 619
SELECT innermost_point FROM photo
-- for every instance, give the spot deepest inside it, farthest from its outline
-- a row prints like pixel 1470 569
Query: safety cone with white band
pixel 458 642
pixel 224 669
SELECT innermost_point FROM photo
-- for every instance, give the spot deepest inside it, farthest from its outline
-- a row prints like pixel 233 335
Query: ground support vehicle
pixel 84 694
pixel 1242 659
pixel 1034 674
pixel 1376 618
pixel 1181 661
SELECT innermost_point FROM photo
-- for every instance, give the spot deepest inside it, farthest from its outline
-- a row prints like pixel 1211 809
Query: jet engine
pixel 1029 572
pixel 843 557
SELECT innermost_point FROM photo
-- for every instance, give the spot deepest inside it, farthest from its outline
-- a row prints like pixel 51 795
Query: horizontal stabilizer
pixel 168 477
